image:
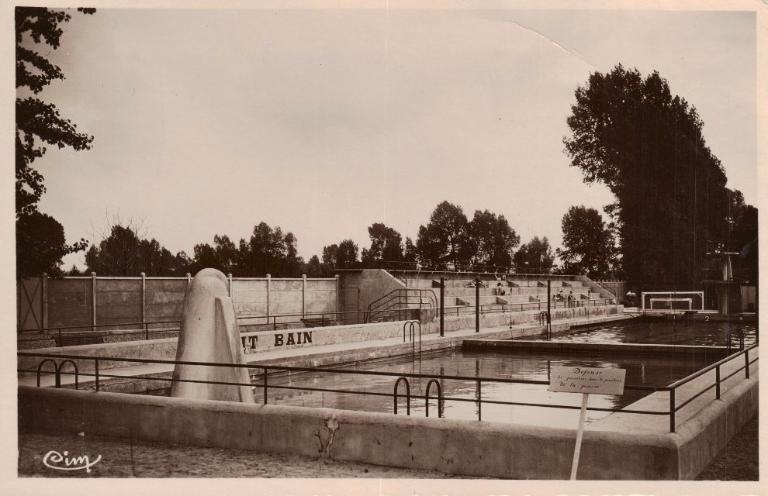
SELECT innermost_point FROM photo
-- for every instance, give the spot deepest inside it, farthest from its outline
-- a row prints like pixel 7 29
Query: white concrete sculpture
pixel 209 333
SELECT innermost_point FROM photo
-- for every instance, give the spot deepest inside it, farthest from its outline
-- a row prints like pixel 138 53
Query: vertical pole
pixel 269 287
pixel 442 307
pixel 671 410
pixel 96 371
pixel 229 285
pixel 549 309
pixel 189 279
pixel 143 299
pixel 338 294
pixel 717 382
pixel 93 299
pixel 265 386
pixel 477 304
pixel 44 301
pixel 579 435
pixel 304 294
pixel 746 363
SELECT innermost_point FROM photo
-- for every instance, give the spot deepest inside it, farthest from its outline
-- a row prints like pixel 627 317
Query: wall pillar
pixel 269 289
pixel 143 299
pixel 303 294
pixel 93 299
pixel 338 293
pixel 44 300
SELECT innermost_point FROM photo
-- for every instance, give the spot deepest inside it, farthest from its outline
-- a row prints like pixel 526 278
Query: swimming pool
pixel 663 331
pixel 645 370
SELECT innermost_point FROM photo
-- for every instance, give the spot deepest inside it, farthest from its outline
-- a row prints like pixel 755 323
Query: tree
pixel 263 253
pixel 386 246
pixel 39 123
pixel 492 240
pixel 535 256
pixel 340 256
pixel 40 245
pixel 314 268
pixel 292 266
pixel 588 243
pixel 445 239
pixel 646 145
pixel 125 253
pixel 410 255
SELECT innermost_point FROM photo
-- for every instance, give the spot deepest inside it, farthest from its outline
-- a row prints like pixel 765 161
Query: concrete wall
pixel 618 288
pixel 368 284
pixel 483 449
pixel 87 301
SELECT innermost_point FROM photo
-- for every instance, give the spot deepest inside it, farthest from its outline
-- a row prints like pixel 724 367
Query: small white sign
pixel 587 380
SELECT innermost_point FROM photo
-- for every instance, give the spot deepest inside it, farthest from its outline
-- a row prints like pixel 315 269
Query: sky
pixel 325 121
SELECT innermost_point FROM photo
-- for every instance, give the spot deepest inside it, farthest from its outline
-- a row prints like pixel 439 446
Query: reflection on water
pixel 663 331
pixel 507 365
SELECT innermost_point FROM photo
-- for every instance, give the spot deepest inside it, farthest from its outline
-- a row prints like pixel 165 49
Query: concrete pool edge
pixel 485 449
pixel 579 347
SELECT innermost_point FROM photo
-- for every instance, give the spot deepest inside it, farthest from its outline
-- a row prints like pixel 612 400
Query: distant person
pixel 500 289
pixel 570 299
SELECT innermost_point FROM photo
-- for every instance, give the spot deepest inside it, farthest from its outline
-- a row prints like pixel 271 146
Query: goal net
pixel 672 300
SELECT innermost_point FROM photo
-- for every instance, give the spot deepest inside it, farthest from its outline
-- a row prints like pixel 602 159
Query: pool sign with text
pixel 585 380
pixel 588 380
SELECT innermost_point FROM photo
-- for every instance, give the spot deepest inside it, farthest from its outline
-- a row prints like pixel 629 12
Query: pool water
pixel 645 370
pixel 663 331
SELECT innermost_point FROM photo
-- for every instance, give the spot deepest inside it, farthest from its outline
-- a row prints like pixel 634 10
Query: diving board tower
pixel 209 333
pixel 727 288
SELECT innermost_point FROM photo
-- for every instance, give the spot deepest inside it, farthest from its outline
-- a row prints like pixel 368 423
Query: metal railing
pixel 264 371
pixel 520 307
pixel 401 300
pixel 306 319
pixel 58 333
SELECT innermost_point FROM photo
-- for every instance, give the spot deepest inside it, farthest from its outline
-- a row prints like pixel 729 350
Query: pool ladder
pixel 426 396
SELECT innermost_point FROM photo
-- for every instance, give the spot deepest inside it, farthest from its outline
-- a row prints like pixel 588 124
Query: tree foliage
pixel 386 246
pixel 341 256
pixel 632 134
pixel 124 253
pixel 39 123
pixel 443 242
pixel 40 245
pixel 40 240
pixel 491 240
pixel 535 256
pixel 588 245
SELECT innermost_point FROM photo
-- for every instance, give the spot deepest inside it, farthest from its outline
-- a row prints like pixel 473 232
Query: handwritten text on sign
pixel 587 380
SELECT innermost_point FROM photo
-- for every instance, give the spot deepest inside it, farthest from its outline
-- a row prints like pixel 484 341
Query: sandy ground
pixel 121 459
pixel 739 461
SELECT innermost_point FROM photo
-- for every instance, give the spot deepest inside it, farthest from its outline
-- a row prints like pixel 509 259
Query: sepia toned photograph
pixel 389 244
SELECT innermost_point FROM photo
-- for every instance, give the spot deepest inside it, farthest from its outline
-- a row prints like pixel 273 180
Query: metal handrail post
pixel 746 363
pixel 477 304
pixel 672 410
pixel 265 385
pixel 442 307
pixel 717 382
pixel 96 371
